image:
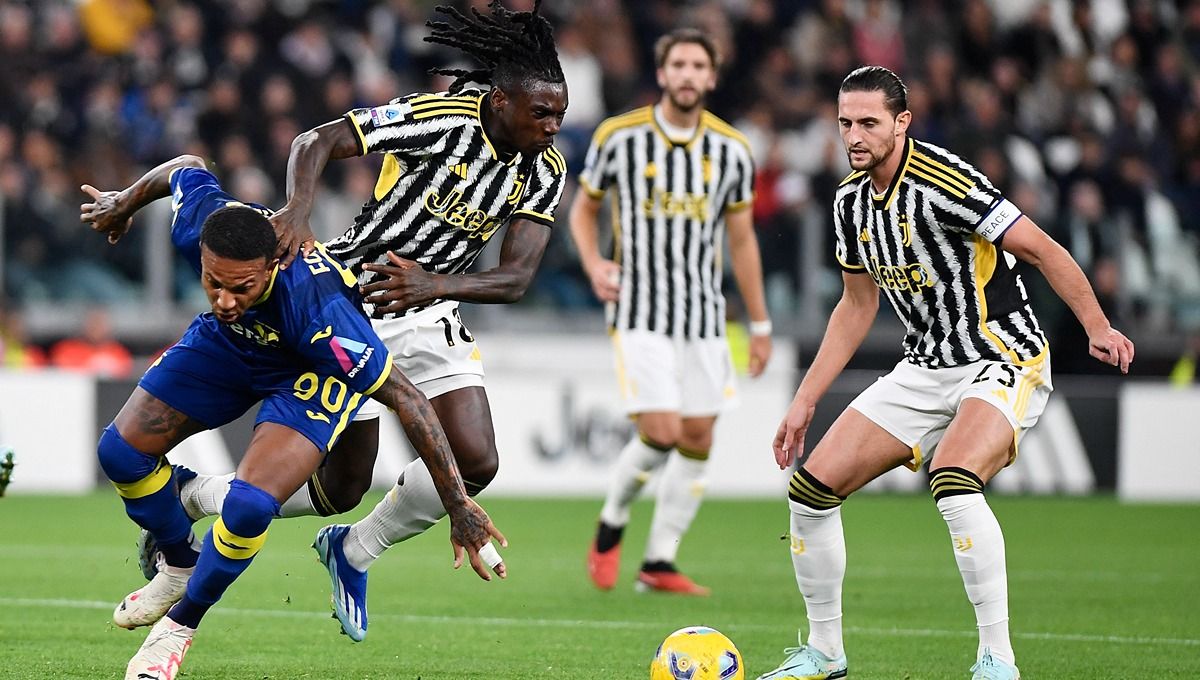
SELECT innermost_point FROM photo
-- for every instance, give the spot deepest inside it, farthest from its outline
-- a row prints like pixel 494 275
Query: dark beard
pixel 686 109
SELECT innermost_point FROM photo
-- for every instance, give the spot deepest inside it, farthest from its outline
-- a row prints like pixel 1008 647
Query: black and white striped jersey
pixel 669 200
pixel 443 189
pixel 929 244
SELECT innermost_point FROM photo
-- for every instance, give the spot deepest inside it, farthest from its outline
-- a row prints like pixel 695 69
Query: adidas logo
pixel 459 169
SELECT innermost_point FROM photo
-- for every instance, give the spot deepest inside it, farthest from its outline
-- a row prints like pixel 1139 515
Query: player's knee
pixel 806 492
pixel 660 444
pixel 480 473
pixel 333 497
pixel 135 474
pixel 241 530
pixel 953 481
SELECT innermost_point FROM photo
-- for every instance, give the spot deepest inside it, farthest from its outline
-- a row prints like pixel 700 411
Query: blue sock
pixel 233 541
pixel 145 485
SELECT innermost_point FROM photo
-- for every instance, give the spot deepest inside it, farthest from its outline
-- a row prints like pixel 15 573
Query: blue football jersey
pixel 305 349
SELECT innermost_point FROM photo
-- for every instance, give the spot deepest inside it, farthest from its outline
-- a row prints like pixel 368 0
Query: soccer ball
pixel 697 653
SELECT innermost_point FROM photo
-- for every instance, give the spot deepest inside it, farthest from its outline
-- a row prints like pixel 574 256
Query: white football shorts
pixel 916 404
pixel 434 350
pixel 659 373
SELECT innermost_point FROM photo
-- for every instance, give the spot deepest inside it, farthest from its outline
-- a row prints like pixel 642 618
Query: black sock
pixel 659 566
pixel 608 537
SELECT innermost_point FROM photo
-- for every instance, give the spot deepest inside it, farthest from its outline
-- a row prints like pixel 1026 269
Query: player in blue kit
pixel 298 341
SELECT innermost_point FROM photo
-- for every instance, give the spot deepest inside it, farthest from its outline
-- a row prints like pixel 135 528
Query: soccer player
pixel 457 166
pixel 296 340
pixel 681 178
pixel 928 230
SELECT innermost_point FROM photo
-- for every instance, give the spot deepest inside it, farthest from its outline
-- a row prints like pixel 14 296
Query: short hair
pixel 879 79
pixel 694 36
pixel 515 48
pixel 239 232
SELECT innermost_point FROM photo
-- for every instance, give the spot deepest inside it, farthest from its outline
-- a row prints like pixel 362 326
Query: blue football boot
pixel 349 585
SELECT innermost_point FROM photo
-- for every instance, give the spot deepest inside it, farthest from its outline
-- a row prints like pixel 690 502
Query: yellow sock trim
pixel 694 454
pixel 233 546
pixel 147 485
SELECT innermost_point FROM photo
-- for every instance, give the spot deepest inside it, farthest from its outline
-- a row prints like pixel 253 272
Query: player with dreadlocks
pixel 457 166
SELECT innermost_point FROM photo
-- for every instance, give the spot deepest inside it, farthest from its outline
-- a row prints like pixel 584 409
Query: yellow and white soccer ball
pixel 697 653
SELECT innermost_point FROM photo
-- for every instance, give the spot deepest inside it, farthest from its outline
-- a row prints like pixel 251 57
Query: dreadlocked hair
pixel 514 47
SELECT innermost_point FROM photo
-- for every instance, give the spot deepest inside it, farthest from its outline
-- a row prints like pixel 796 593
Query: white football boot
pixel 148 604
pixel 162 653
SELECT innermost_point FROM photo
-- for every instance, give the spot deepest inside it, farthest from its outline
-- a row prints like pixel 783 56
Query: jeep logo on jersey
pixel 343 347
pixel 458 213
pixel 668 204
pixel 911 278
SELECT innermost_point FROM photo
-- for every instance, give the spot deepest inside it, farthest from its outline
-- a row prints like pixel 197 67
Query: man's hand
pixel 605 276
pixel 293 234
pixel 789 440
pixel 107 214
pixel 406 285
pixel 1112 347
pixel 471 529
pixel 760 353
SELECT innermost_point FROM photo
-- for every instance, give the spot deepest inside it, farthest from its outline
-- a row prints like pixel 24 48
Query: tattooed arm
pixel 111 212
pixel 470 527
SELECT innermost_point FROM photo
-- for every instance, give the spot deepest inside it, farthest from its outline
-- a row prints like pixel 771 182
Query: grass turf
pixel 1097 589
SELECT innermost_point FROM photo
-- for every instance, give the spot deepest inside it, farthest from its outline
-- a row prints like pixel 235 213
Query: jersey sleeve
pixel 741 191
pixel 597 172
pixel 544 187
pixel 968 201
pixel 340 342
pixel 845 247
pixel 409 123
pixel 195 194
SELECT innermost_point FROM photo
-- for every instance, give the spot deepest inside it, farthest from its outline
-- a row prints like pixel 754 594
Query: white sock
pixel 407 510
pixel 635 465
pixel 818 549
pixel 204 495
pixel 979 551
pixel 679 494
pixel 299 504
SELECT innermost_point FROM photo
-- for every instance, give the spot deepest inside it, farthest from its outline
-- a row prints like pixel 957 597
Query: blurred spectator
pixel 94 351
pixel 1052 94
pixel 16 352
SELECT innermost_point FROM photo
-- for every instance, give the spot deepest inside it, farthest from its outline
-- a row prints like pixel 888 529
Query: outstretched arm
pixel 310 152
pixel 408 284
pixel 111 212
pixel 1028 242
pixel 470 526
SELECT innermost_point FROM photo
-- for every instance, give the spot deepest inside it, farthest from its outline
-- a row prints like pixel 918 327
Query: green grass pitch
pixel 1098 590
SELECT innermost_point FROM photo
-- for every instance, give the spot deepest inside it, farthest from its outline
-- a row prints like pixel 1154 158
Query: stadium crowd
pixel 1086 113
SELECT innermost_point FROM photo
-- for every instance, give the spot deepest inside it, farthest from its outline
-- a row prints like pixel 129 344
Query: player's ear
pixel 902 121
pixel 498 100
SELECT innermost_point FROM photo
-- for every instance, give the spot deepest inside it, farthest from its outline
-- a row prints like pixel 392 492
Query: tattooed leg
pixel 131 452
pixel 151 426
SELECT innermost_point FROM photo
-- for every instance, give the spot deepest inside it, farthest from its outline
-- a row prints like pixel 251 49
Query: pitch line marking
pixel 619 625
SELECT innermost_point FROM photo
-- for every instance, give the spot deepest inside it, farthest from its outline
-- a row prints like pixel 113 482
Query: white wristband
pixel 760 328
